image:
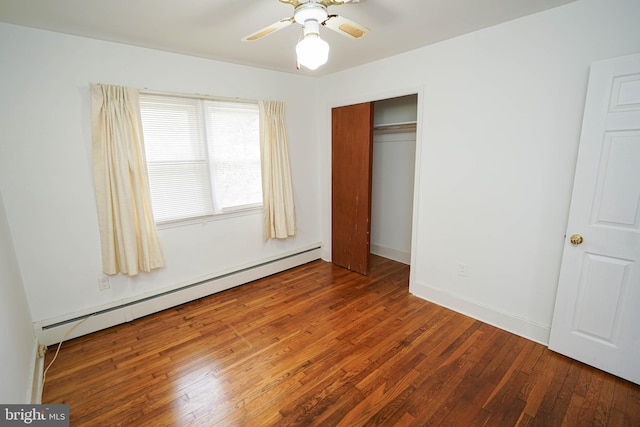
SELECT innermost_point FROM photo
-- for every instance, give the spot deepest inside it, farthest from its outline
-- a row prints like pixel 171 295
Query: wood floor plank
pixel 536 388
pixel 319 345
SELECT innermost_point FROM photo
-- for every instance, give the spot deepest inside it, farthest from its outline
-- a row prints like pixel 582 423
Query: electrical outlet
pixel 42 350
pixel 103 283
pixel 462 270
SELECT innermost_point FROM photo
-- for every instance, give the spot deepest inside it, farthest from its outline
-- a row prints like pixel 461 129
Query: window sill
pixel 203 220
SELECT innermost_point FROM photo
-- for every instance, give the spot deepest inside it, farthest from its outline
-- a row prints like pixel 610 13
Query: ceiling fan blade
pixel 269 29
pixel 345 26
pixel 294 3
pixel 339 2
pixel 328 3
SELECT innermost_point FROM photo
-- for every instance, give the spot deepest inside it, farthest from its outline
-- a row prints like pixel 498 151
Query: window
pixel 203 156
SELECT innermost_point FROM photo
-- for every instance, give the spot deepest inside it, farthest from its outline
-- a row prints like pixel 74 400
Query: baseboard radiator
pixel 56 330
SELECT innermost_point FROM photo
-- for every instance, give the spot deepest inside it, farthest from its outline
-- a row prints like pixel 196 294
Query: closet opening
pixel 373 148
pixel 393 172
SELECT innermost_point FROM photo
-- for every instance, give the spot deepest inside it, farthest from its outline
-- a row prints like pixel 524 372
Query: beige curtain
pixel 279 213
pixel 127 229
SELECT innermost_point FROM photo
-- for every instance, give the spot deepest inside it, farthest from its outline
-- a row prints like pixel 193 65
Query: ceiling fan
pixel 312 51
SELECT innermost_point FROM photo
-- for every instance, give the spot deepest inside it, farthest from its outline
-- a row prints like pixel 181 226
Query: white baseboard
pixel 52 331
pixel 394 254
pixel 522 327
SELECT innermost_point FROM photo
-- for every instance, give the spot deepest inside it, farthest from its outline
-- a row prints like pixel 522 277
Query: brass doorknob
pixel 576 239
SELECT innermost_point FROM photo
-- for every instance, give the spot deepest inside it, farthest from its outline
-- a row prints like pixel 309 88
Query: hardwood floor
pixel 319 345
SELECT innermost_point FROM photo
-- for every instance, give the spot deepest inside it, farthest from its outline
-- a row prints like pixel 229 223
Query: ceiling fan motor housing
pixel 310 15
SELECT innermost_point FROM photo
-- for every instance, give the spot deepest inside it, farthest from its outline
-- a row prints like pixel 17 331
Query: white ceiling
pixel 213 28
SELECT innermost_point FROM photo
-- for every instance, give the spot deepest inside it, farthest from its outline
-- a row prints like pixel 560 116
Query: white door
pixel 597 313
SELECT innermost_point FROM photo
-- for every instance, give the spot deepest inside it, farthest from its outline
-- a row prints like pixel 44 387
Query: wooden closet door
pixel 351 157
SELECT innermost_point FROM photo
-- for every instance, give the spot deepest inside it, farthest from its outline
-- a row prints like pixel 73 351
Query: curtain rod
pixel 196 95
pixel 186 95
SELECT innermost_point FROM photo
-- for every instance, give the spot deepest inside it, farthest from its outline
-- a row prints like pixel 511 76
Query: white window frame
pixel 218 213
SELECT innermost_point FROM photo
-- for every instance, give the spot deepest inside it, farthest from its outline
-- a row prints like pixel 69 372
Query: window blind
pixel 233 129
pixel 203 156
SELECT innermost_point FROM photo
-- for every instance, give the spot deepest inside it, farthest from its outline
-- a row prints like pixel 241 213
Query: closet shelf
pixel 403 126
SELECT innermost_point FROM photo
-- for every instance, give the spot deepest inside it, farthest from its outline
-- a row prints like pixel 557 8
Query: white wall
pixel 17 351
pixel 45 166
pixel 390 111
pixel 392 194
pixel 499 121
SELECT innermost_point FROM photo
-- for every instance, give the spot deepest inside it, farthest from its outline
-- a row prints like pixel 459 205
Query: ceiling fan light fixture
pixel 311 11
pixel 312 51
